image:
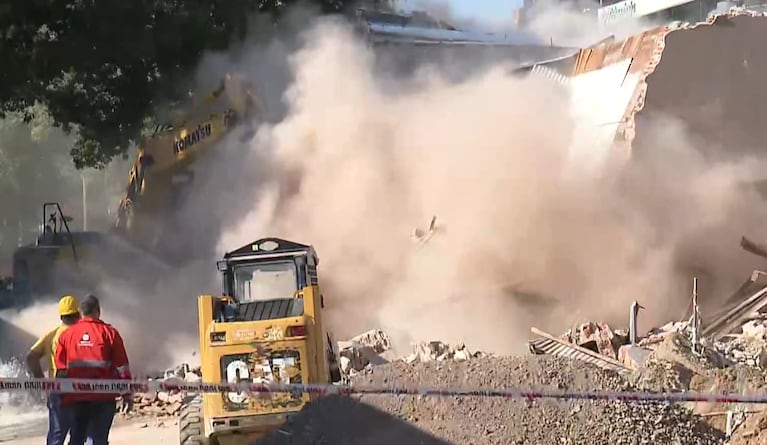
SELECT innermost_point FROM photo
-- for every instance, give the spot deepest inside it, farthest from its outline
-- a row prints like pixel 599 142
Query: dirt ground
pixel 127 434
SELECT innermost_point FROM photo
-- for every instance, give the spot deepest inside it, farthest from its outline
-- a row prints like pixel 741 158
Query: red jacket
pixel 91 349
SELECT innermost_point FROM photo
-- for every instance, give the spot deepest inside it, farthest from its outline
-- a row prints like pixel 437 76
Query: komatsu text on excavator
pixel 267 327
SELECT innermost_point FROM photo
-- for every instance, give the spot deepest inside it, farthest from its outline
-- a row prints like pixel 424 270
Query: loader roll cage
pixel 265 280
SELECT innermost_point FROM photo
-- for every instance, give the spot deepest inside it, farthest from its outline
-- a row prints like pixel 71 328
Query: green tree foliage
pixel 33 170
pixel 101 67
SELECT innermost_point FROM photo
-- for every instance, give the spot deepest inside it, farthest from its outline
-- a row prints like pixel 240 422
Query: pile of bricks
pixel 157 404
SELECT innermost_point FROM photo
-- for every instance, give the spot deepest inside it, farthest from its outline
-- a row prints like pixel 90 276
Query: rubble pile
pixel 671 365
pixel 748 348
pixel 671 343
pixel 159 404
pixel 442 420
pixel 728 354
pixel 752 431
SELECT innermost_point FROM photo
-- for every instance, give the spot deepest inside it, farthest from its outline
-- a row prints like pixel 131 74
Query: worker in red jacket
pixel 91 349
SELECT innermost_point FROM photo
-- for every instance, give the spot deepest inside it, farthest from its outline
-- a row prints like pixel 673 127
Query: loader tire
pixel 190 425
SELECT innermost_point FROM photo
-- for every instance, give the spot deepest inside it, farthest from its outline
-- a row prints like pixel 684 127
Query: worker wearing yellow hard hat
pixel 68 306
pixel 45 347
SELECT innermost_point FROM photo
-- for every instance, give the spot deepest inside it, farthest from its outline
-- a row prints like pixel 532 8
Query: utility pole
pixel 85 202
pixel 106 190
pixel 695 320
pixel 633 331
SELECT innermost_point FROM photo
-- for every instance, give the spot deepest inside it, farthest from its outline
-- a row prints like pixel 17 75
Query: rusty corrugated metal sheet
pixel 548 346
pixel 549 73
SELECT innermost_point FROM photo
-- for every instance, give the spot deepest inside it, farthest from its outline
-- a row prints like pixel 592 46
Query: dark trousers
pixel 58 420
pixel 91 420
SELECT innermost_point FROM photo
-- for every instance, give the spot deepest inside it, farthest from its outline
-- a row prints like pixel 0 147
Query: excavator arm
pixel 165 162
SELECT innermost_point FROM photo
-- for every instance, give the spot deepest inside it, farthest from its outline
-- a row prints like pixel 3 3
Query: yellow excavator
pixel 165 166
pixel 63 260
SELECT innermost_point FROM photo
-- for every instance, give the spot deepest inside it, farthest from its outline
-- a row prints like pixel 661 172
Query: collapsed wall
pixel 711 77
pixel 708 76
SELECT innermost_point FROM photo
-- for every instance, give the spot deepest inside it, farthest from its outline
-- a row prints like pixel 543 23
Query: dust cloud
pixel 356 158
pixel 524 237
pixel 572 24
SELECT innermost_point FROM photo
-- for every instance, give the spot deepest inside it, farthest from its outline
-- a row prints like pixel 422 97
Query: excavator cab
pixel 52 265
pixel 55 230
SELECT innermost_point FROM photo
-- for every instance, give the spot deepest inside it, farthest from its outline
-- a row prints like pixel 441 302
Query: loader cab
pixel 270 279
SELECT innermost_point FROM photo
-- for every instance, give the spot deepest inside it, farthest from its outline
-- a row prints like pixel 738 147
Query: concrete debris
pixel 363 351
pixel 749 347
pixel 178 372
pixel 375 339
pixel 421 237
pixel 746 350
pixel 373 348
pixel 755 329
pixel 633 356
pixel 439 351
pixel 356 358
pixel 598 337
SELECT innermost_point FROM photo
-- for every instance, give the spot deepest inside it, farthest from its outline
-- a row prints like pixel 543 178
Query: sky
pixel 482 10
pixel 485 10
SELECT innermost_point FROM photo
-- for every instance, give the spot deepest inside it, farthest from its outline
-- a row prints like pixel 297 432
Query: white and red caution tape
pixel 124 386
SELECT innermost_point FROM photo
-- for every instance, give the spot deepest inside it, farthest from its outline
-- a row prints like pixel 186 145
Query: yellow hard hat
pixel 68 305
